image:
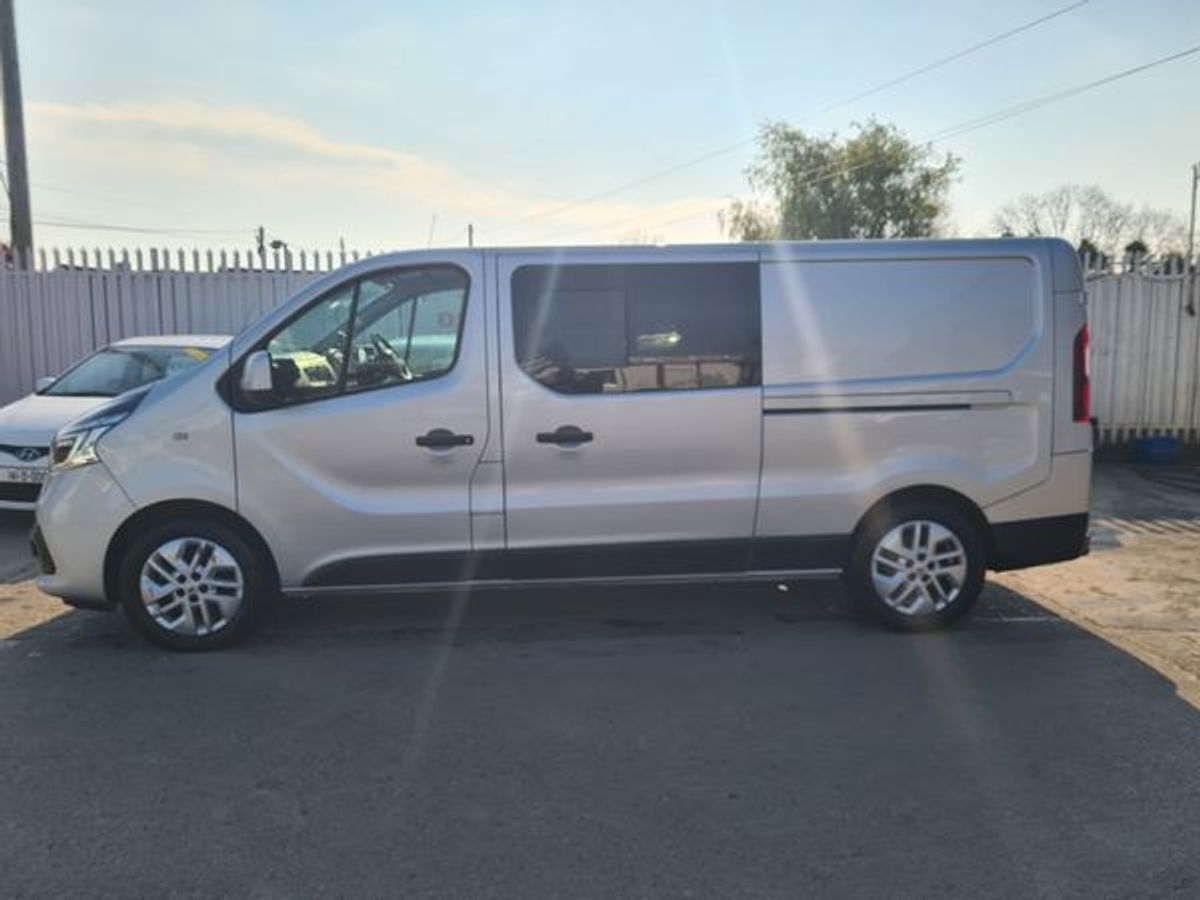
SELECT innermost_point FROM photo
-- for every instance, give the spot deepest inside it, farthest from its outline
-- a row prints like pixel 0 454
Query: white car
pixel 28 426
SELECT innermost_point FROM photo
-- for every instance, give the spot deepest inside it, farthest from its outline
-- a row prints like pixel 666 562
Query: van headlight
pixel 75 443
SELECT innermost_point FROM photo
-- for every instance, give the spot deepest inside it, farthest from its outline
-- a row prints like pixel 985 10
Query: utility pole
pixel 1191 254
pixel 470 235
pixel 260 238
pixel 20 216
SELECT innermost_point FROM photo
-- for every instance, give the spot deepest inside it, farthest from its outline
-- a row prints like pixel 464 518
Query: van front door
pixel 357 466
pixel 632 413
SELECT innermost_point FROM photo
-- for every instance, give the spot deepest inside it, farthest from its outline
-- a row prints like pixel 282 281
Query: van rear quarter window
pixel 597 329
pixel 875 319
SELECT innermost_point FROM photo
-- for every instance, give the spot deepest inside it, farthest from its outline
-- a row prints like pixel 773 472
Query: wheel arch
pixel 173 509
pixel 930 493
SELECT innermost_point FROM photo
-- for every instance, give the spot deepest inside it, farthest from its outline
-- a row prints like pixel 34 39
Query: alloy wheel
pixel 919 567
pixel 192 586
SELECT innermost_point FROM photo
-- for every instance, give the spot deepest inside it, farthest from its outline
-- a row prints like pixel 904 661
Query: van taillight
pixel 1082 393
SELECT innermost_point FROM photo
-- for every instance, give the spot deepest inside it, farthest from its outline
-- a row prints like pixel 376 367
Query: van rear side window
pixel 605 329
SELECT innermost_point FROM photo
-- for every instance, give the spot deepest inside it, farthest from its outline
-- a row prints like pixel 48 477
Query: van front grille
pixel 19 492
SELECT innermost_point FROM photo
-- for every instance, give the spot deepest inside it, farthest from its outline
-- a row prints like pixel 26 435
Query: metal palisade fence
pixel 1144 328
pixel 1144 321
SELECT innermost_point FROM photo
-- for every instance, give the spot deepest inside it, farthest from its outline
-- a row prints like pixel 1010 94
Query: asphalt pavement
pixel 704 741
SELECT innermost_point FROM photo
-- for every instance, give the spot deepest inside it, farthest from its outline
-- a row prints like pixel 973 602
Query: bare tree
pixel 1087 215
pixel 1161 230
pixel 1101 218
pixel 1036 214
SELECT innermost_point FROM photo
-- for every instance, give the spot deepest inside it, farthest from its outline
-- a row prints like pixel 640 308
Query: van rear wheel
pixel 917 566
pixel 193 584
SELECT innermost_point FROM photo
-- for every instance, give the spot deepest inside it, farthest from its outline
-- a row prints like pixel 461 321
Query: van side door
pixel 632 406
pixel 357 468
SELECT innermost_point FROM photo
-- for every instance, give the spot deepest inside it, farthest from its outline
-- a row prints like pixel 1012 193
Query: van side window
pixel 385 329
pixel 601 329
pixel 406 327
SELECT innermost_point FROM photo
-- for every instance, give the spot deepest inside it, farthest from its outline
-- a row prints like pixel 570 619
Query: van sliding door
pixel 632 413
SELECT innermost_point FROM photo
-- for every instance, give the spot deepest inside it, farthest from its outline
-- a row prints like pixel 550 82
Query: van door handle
pixel 440 438
pixel 564 434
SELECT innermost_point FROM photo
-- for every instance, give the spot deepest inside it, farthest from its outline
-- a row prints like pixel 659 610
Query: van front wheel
pixel 917 566
pixel 193 584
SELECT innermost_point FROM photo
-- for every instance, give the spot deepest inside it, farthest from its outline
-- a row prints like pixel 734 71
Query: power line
pixel 138 229
pixel 827 172
pixel 953 57
pixel 1019 108
pixel 837 104
pixel 59 189
pixel 108 198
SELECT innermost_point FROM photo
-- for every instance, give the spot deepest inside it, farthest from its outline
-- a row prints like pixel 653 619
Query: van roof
pixel 1058 253
pixel 905 247
pixel 914 246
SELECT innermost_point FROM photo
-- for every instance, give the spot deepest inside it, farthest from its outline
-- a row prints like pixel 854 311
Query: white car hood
pixel 33 420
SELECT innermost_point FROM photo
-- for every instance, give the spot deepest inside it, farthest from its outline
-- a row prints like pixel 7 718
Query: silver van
pixel 905 414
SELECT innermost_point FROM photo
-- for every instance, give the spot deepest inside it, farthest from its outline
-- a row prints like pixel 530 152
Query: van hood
pixel 33 420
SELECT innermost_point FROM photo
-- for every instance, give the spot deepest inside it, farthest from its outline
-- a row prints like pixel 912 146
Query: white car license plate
pixel 23 476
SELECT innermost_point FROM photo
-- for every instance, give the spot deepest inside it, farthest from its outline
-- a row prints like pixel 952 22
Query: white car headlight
pixel 75 444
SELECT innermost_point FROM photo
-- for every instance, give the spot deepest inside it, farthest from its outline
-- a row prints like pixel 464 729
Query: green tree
pixel 1136 249
pixel 874 184
pixel 1092 256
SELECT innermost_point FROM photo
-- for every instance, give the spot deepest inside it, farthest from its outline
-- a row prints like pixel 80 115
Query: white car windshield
pixel 116 370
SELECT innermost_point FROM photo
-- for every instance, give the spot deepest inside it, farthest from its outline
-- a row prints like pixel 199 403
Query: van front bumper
pixel 78 512
pixel 1036 542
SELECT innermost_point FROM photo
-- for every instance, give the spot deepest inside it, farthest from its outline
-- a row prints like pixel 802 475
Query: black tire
pixel 859 573
pixel 257 583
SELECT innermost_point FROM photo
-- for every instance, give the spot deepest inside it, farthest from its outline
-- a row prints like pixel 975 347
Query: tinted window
pixel 593 329
pixel 385 329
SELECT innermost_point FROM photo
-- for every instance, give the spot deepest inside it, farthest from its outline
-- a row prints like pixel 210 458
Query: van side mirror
pixel 256 380
pixel 42 383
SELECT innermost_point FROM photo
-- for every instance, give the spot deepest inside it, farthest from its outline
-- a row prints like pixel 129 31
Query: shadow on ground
pixel 699 741
pixel 529 614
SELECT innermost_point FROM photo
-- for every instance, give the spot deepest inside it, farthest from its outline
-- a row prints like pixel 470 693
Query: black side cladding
pixel 1035 542
pixel 41 552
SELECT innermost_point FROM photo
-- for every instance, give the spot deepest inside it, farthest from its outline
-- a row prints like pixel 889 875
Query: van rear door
pixel 631 412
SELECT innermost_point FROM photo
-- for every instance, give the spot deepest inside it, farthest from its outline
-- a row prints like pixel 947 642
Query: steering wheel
pixel 388 352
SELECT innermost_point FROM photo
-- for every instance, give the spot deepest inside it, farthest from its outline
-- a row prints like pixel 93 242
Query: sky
pixel 394 125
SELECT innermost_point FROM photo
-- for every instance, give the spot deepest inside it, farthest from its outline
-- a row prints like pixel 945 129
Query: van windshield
pixel 115 370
